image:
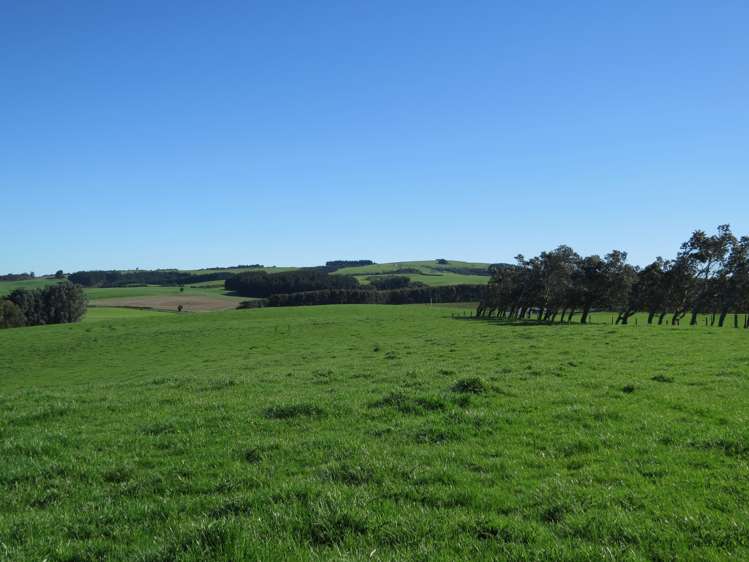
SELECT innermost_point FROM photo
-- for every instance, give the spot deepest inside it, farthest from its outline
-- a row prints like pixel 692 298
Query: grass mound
pixel 470 385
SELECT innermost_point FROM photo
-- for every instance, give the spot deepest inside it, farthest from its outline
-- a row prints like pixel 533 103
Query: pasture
pixel 371 433
pixel 194 298
pixel 427 272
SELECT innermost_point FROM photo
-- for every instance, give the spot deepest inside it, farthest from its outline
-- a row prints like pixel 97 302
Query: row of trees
pixel 709 275
pixel 53 304
pixel 18 276
pixel 335 265
pixel 261 284
pixel 143 277
pixel 441 294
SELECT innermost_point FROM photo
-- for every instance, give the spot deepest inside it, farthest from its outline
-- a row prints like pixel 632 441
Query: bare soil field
pixel 190 303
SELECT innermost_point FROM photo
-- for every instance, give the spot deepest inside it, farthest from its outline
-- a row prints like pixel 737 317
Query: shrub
pixel 470 385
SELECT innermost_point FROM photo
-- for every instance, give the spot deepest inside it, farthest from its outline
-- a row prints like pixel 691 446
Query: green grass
pixel 102 294
pixel 95 294
pixel 431 273
pixel 372 433
pixel 7 287
pixel 97 314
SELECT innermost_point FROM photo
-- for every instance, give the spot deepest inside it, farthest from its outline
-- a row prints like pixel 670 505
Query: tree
pixel 11 315
pixel 59 274
pixel 53 304
pixel 708 254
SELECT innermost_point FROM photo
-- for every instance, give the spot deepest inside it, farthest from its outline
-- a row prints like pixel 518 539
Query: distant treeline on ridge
pixel 261 284
pixel 370 295
pixel 143 277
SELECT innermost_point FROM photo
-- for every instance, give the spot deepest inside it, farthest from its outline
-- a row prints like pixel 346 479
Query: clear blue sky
pixel 158 134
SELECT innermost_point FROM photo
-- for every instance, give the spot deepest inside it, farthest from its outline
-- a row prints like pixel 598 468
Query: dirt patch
pixel 189 303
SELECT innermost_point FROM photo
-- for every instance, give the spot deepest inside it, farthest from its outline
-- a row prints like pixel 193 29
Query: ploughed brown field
pixel 190 303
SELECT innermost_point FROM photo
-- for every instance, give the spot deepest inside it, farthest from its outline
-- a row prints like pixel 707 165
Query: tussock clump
pixel 118 474
pixel 463 401
pixel 628 389
pixel 731 446
pixel 218 384
pixel 350 474
pixel 470 385
pixel 288 411
pixel 231 507
pixel 330 520
pixel 503 530
pixel 662 378
pixel 410 405
pixel 252 455
pixel 158 428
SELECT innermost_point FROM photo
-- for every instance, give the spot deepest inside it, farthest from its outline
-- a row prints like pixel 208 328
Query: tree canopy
pixel 709 275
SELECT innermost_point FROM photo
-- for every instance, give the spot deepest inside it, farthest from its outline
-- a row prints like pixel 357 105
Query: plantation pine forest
pixel 562 407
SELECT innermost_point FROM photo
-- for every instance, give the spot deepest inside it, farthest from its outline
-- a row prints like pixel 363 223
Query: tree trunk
pixel 651 314
pixel 626 315
pixel 584 317
pixel 722 318
pixel 693 321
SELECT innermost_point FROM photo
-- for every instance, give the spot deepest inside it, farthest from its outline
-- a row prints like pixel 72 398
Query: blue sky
pixel 160 134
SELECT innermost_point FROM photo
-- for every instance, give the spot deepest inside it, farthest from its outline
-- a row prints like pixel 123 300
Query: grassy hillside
pixel 99 295
pixel 428 272
pixel 371 433
pixel 153 294
pixel 10 286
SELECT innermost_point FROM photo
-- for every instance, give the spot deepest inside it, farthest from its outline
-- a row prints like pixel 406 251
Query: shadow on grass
pixel 516 322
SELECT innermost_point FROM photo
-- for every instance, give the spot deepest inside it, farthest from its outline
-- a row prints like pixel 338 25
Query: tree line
pixel 261 284
pixel 335 265
pixel 369 295
pixel 54 304
pixel 18 276
pixel 709 275
pixel 173 277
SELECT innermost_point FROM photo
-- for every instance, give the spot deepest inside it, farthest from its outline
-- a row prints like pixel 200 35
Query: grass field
pixel 10 286
pixel 431 272
pixel 204 296
pixel 371 433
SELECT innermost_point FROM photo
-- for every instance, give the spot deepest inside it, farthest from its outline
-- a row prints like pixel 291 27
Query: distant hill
pixel 432 272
